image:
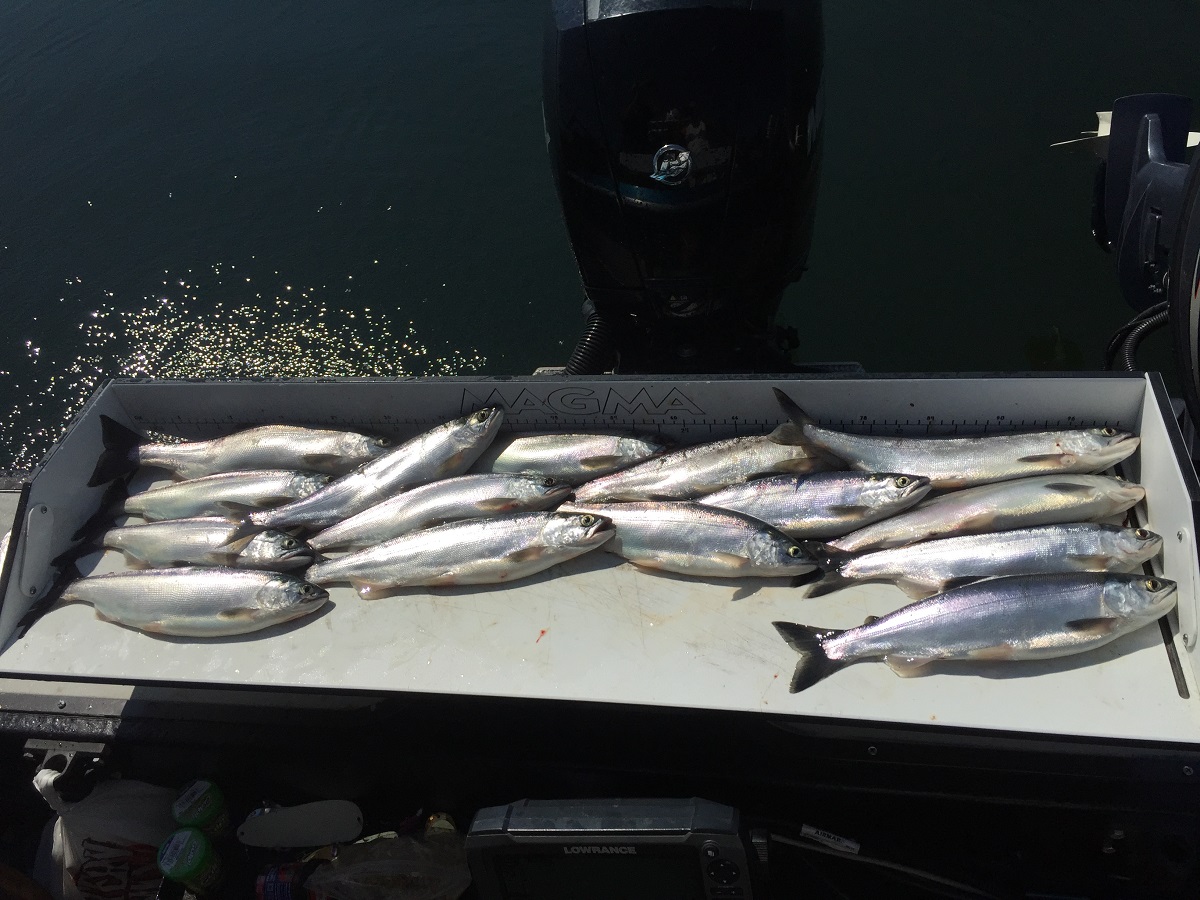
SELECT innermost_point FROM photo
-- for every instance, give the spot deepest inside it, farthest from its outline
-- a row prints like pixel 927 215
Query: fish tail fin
pixel 829 562
pixel 110 504
pixel 243 533
pixel 67 574
pixel 827 584
pixel 71 555
pixel 792 409
pixel 814 663
pixel 117 458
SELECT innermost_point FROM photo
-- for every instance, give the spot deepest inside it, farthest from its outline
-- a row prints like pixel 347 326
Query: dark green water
pixel 224 188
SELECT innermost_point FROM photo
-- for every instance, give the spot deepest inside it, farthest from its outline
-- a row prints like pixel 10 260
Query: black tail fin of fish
pixel 70 556
pixel 110 504
pixel 792 409
pixel 829 563
pixel 40 607
pixel 814 664
pixel 117 458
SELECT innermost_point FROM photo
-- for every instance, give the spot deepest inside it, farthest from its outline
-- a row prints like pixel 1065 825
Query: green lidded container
pixel 202 805
pixel 187 857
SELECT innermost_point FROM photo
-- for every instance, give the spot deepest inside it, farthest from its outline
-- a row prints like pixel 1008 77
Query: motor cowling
pixel 684 139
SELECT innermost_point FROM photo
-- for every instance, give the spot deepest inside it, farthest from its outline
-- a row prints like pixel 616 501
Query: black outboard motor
pixel 684 137
pixel 1147 211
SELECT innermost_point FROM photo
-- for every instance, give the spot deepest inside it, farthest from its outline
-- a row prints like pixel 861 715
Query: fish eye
pixel 1141 534
pixel 794 551
pixel 383 442
pixel 478 418
pixel 548 482
pixel 903 481
pixel 587 519
pixel 288 543
pixel 1108 432
pixel 1152 584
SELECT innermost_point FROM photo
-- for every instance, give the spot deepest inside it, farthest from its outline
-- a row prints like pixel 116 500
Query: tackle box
pixel 597 629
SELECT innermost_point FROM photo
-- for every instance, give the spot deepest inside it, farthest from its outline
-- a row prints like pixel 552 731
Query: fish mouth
pixel 558 493
pixel 296 559
pixel 600 530
pixel 1120 447
pixel 920 486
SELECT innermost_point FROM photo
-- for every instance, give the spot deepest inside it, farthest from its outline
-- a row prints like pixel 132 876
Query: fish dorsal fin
pixel 1098 626
pixel 792 409
pixel 907 666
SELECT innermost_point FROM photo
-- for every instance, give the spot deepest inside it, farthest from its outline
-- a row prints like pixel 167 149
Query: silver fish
pixel 1023 503
pixel 705 468
pixel 692 539
pixel 464 497
pixel 231 495
pixel 264 447
pixel 1015 617
pixel 933 566
pixel 195 601
pixel 203 542
pixel 570 458
pixel 474 551
pixel 954 462
pixel 824 505
pixel 441 452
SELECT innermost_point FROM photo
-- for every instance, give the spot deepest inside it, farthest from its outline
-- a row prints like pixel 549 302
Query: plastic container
pixel 187 856
pixel 202 805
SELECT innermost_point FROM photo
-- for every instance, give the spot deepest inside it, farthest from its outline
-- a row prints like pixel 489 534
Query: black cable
pixel 1115 342
pixel 594 353
pixel 928 878
pixel 1127 357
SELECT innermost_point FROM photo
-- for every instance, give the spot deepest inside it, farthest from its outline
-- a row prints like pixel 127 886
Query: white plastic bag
pixel 395 868
pixel 105 847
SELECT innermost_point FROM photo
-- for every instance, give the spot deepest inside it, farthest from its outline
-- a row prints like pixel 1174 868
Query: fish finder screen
pixel 649 875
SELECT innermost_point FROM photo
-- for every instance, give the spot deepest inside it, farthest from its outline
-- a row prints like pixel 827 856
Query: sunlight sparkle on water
pixel 170 337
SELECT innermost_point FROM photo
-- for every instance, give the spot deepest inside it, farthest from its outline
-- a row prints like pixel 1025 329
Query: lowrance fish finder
pixel 604 849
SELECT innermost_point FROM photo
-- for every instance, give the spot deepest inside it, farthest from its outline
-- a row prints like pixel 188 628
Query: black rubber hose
pixel 594 353
pixel 1127 357
pixel 1115 342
